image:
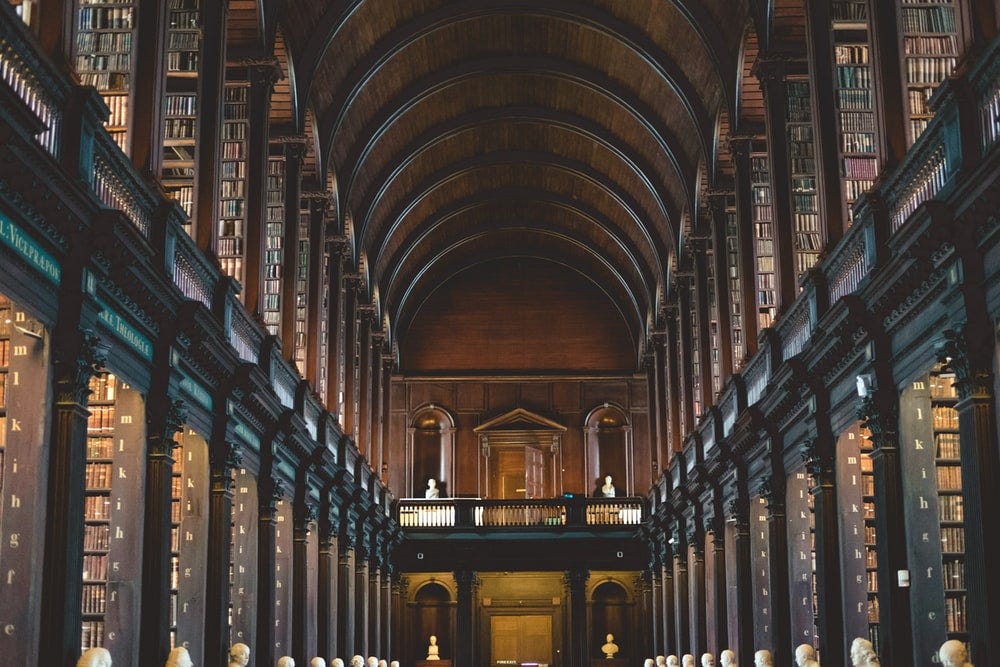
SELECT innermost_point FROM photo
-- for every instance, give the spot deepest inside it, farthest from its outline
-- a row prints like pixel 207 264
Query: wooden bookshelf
pixel 867 477
pixel 176 512
pixel 5 327
pixel 274 258
pixel 763 227
pixel 103 57
pixel 808 241
pixel 183 44
pixel 231 239
pixel 930 50
pixel 98 475
pixel 948 469
pixel 734 284
pixel 697 356
pixel 852 78
pixel 302 269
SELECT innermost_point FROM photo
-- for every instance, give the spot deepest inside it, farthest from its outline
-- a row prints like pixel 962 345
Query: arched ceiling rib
pixel 564 130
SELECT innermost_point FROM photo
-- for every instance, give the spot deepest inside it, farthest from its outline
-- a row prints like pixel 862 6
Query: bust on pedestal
pixel 179 657
pixel 953 654
pixel 239 655
pixel 863 653
pixel 608 490
pixel 95 657
pixel 805 656
pixel 610 647
pixel 432 489
pixel 728 658
pixel 432 650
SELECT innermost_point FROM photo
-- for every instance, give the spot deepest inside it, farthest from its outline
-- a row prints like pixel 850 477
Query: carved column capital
pixel 576 579
pixel 969 359
pixel 881 418
pixel 818 465
pixel 79 361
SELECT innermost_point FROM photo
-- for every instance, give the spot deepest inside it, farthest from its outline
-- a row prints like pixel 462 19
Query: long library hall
pixel 491 333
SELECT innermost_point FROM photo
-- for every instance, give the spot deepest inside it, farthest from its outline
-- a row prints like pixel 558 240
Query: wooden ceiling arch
pixel 570 131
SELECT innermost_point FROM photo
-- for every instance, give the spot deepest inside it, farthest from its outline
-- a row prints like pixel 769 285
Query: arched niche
pixel 432 606
pixel 611 613
pixel 429 450
pixel 608 435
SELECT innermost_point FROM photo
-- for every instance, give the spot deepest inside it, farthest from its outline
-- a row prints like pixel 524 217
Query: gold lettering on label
pixel 15 502
pixel 121 472
pixel 15 540
pixel 9 629
pixel 13 467
pixel 16 380
pixel 187 573
pixel 119 533
pixel 126 419
pixel 191 483
pixel 20 350
pixel 15 425
pixel 19 316
pixel 121 444
pixel 10 577
pixel 114 596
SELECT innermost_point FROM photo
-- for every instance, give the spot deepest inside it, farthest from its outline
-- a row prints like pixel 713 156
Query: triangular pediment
pixel 519 419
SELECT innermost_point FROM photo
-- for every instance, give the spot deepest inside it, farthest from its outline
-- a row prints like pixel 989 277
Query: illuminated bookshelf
pixel 930 52
pixel 808 241
pixel 763 227
pixel 5 325
pixel 859 163
pixel 735 284
pixel 231 240
pixel 274 245
pixel 103 58
pixel 302 290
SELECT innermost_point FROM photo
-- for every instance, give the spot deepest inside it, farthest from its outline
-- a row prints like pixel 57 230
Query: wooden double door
pixel 515 640
pixel 519 472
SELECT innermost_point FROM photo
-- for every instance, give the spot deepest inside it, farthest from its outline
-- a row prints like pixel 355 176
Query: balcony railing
pixel 535 513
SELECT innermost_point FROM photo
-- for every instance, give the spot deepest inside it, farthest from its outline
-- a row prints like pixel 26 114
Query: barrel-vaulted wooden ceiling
pixel 564 130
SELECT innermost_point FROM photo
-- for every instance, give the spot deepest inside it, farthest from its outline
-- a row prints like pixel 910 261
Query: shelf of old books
pixel 302 269
pixel 5 329
pixel 231 241
pixel 274 258
pixel 763 225
pixel 930 51
pixel 102 56
pixel 808 241
pixel 852 79
pixel 735 284
pixel 183 44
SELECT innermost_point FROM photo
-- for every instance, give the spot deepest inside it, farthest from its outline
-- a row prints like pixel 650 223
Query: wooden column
pixel 148 86
pixel 374 607
pixel 772 489
pixel 367 315
pixel 696 576
pixel 888 83
pixel 271 491
pixel 399 585
pixel 771 71
pixel 824 107
pixel 700 264
pixel 723 302
pixel 740 147
pixel 738 511
pixel 655 643
pixel 377 455
pixel 326 604
pixel 658 402
pixel 719 630
pixel 675 399
pixel 879 412
pixel 669 636
pixel 352 285
pixel 211 95
pixel 649 368
pixel 576 582
pixel 386 605
pixel 345 593
pixel 223 458
pixel 361 594
pixel 165 417
pixel 386 385
pixel 77 356
pixel 316 311
pixel 335 362
pixel 685 339
pixel 263 76
pixel 682 600
pixel 295 153
pixel 303 646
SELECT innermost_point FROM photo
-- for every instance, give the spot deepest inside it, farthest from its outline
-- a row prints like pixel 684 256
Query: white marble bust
pixel 394 663
pixel 863 653
pixel 239 655
pixel 648 662
pixel 337 662
pixel 432 489
pixel 357 661
pixel 707 660
pixel 661 661
pixel 179 657
pixel 317 662
pixel 383 663
pixel 286 661
pixel 608 490
pixel 953 654
pixel 687 660
pixel 805 656
pixel 372 661
pixel 728 658
pixel 95 657
pixel 672 661
pixel 433 649
pixel 610 647
pixel 762 658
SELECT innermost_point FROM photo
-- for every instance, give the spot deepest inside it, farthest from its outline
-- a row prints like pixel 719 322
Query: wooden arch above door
pixel 520 456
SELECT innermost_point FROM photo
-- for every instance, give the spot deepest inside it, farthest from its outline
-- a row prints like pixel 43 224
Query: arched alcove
pixel 610 614
pixel 608 435
pixel 430 444
pixel 432 615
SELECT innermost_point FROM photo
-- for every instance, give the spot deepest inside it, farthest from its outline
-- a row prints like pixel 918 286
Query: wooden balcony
pixel 557 514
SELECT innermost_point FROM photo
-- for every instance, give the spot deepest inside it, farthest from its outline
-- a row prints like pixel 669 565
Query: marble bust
pixel 805 656
pixel 383 663
pixel 608 490
pixel 610 647
pixel 337 662
pixel 317 662
pixel 432 489
pixel 372 661
pixel 687 660
pixel 762 658
pixel 672 661
pixel 863 653
pixel 179 657
pixel 728 658
pixel 239 655
pixel 707 660
pixel 953 654
pixel 394 663
pixel 648 662
pixel 357 661
pixel 95 657
pixel 661 661
pixel 432 649
pixel 286 661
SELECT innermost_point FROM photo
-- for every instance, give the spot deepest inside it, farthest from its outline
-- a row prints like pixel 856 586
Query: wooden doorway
pixel 520 456
pixel 519 472
pixel 521 639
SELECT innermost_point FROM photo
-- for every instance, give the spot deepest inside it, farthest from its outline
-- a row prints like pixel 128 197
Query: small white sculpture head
pixel 239 654
pixel 286 661
pixel 862 652
pixel 648 662
pixel 433 640
pixel 953 654
pixel 337 662
pixel 672 661
pixel 317 662
pixel 179 657
pixel 687 660
pixel 728 658
pixel 383 663
pixel 394 663
pixel 372 661
pixel 95 657
pixel 707 660
pixel 804 655
pixel 661 661
pixel 357 661
pixel 762 658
